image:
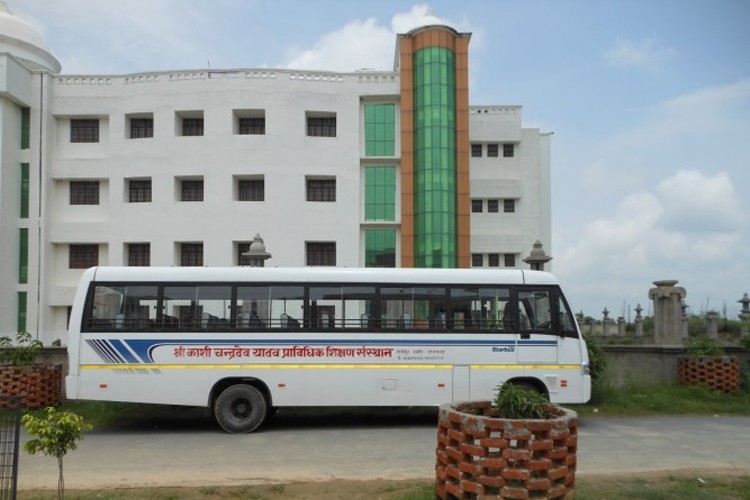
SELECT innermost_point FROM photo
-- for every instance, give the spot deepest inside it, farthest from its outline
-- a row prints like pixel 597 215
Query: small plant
pixel 704 346
pixel 23 353
pixel 598 362
pixel 516 402
pixel 745 342
pixel 54 434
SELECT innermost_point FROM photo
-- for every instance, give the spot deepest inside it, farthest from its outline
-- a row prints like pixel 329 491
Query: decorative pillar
pixel 638 321
pixel 256 254
pixel 744 314
pixel 621 326
pixel 684 319
pixel 605 322
pixel 712 325
pixel 537 257
pixel 667 311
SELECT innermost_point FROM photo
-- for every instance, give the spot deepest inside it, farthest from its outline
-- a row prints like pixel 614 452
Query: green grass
pixel 638 398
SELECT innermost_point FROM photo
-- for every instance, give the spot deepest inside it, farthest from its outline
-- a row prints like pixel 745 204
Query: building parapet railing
pixel 494 110
pixel 365 77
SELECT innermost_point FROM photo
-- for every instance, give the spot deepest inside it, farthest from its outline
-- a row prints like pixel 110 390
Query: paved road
pixel 297 447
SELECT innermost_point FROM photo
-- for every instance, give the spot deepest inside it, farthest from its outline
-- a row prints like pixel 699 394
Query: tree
pixel 54 434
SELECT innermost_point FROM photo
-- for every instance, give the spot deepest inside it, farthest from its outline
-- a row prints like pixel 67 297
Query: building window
pixel 510 260
pixel 83 256
pixel 25 190
pixel 191 190
pixel 380 129
pixel 84 130
pixel 477 260
pixel 380 248
pixel 493 259
pixel 492 150
pixel 23 255
pixel 25 127
pixel 508 150
pixel 141 128
pixel 192 127
pixel 476 150
pixel 22 310
pixel 139 191
pixel 321 189
pixel 251 190
pixel 380 193
pixel 321 126
pixel 84 192
pixel 509 206
pixel 242 249
pixel 320 253
pixel 191 254
pixel 476 206
pixel 139 254
pixel 493 206
pixel 252 126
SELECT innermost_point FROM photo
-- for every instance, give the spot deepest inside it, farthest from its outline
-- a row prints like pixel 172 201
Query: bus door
pixel 537 341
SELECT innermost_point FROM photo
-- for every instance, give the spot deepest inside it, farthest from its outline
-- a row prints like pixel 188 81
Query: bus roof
pixel 322 274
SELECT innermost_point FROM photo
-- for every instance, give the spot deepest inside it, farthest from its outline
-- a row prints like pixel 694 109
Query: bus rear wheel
pixel 240 409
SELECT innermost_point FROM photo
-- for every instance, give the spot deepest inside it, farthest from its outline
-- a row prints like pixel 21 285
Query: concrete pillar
pixel 667 311
pixel 605 322
pixel 621 326
pixel 638 321
pixel 744 314
pixel 712 325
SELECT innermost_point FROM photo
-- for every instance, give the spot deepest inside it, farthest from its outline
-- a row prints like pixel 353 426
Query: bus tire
pixel 529 386
pixel 240 409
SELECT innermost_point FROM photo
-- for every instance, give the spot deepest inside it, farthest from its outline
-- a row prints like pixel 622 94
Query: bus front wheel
pixel 240 408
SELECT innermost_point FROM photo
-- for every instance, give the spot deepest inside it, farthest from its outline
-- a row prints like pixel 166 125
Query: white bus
pixel 245 340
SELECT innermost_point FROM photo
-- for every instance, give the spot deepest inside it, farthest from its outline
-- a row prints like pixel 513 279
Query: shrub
pixel 513 401
pixel 704 346
pixel 598 361
pixel 22 353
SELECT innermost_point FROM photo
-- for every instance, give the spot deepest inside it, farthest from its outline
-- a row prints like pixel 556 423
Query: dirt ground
pixel 588 486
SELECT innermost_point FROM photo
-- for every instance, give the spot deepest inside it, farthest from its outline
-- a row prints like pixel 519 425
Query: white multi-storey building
pixel 185 167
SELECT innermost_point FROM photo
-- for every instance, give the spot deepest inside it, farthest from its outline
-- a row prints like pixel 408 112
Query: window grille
pixel 252 126
pixel 319 126
pixel 192 126
pixel 83 256
pixel 139 191
pixel 192 191
pixel 192 254
pixel 321 189
pixel 251 190
pixel 141 128
pixel 139 254
pixel 84 130
pixel 84 192
pixel 321 254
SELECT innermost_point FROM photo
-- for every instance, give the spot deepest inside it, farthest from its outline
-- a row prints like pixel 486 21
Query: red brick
pixel 452 471
pixel 538 484
pixel 556 454
pixel 539 465
pixel 472 487
pixel 539 425
pixel 515 493
pixel 493 463
pixel 456 435
pixel 518 434
pixel 470 468
pixel 559 491
pixel 492 481
pixel 516 474
pixel 454 454
pixel 453 489
pixel 557 473
pixel 540 444
pixel 494 442
pixel 516 454
pixel 474 450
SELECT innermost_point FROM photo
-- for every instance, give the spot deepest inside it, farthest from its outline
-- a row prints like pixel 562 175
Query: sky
pixel 648 101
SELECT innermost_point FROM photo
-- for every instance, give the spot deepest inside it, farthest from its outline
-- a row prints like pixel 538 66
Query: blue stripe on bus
pixel 142 348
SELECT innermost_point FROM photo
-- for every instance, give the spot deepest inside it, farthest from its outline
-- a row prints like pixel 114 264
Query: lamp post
pixel 256 254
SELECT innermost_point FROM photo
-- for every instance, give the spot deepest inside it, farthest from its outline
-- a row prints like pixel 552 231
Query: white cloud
pixel 645 54
pixel 696 202
pixel 347 49
pixel 365 43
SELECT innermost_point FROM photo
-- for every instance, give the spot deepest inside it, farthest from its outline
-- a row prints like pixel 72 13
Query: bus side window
pixel 566 320
pixel 286 306
pixel 535 310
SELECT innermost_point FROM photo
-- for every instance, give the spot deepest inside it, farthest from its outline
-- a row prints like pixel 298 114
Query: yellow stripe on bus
pixel 525 367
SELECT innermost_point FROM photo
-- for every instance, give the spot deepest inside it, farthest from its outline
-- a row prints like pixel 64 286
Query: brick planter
pixel 483 457
pixel 38 386
pixel 721 373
